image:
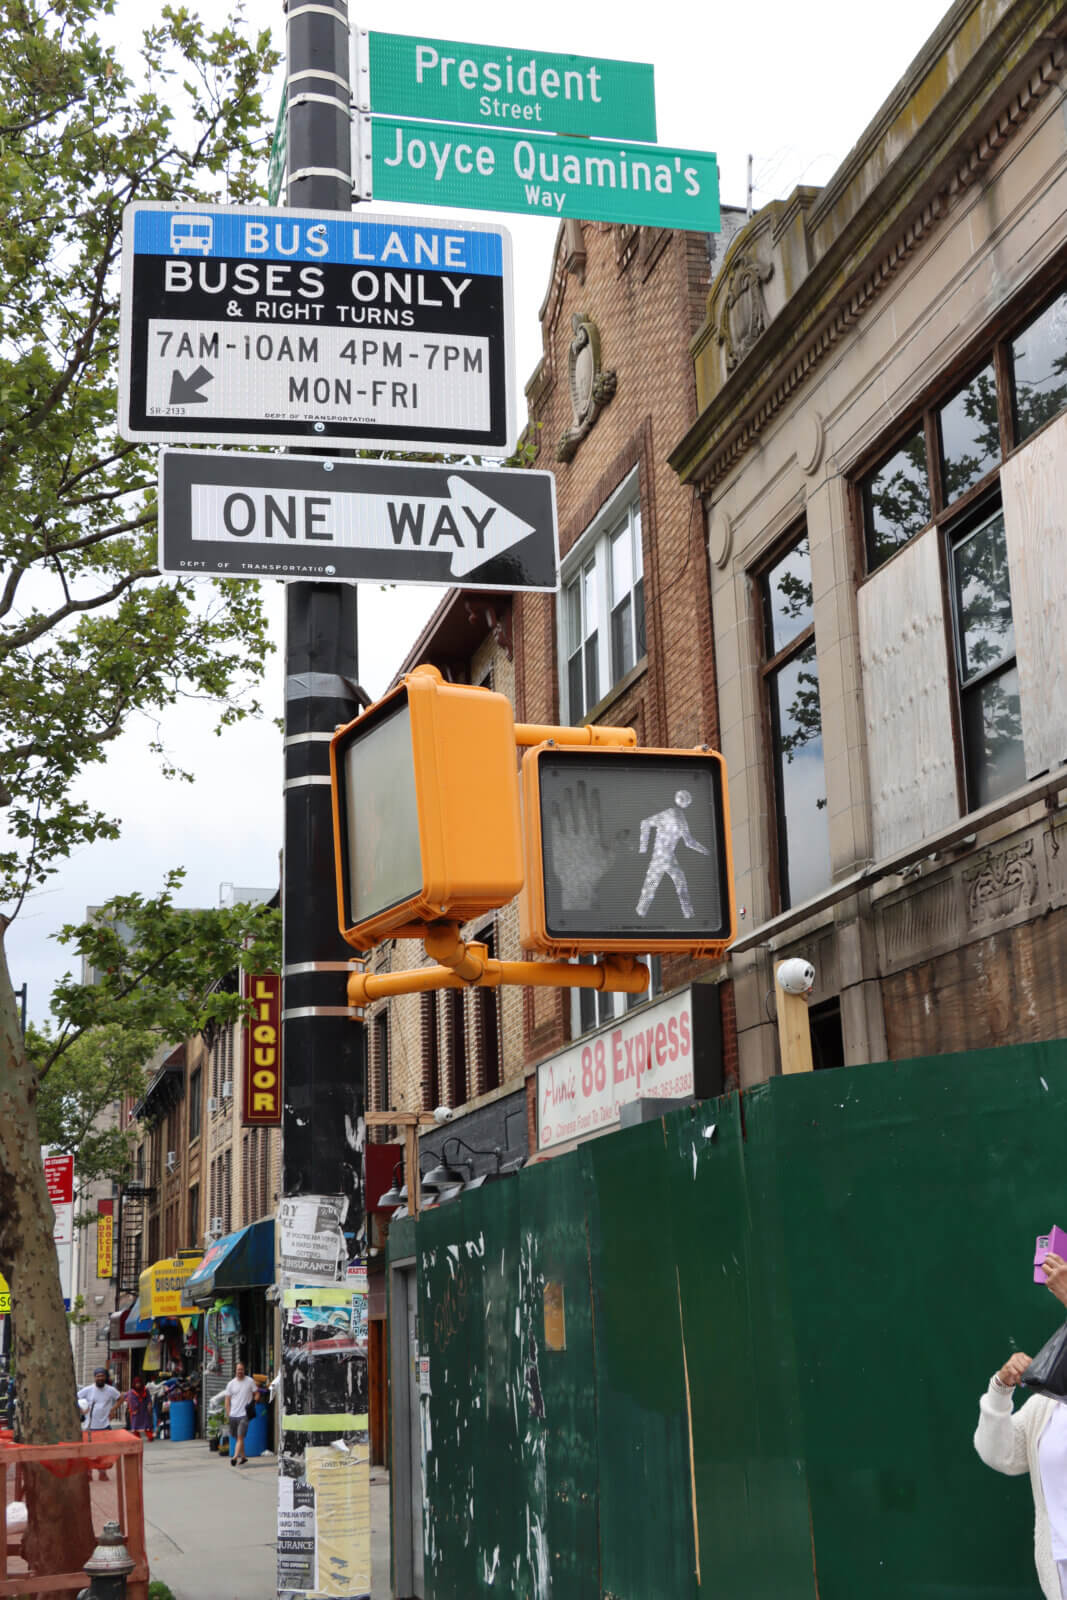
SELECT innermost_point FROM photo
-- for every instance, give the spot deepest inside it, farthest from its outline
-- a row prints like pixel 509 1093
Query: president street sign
pixel 256 326
pixel 439 80
pixel 231 514
pixel 488 169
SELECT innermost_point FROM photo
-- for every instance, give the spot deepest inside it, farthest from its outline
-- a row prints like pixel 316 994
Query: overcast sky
pixel 794 86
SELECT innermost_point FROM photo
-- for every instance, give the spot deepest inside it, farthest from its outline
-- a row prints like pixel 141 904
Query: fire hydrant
pixel 108 1567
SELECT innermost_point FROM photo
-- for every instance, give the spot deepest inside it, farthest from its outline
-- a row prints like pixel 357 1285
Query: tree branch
pixel 17 641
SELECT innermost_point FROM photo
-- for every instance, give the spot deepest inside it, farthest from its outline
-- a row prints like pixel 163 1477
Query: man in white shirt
pixel 98 1402
pixel 240 1393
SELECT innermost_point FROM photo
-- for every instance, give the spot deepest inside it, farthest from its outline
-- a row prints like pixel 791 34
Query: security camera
pixel 796 976
pixel 443 1114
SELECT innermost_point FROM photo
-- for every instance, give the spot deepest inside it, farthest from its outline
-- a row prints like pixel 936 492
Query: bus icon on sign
pixel 190 235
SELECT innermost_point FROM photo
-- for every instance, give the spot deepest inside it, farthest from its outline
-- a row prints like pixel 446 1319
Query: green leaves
pixel 158 974
pixel 90 634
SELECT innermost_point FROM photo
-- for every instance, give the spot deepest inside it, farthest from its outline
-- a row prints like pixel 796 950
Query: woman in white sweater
pixel 1032 1439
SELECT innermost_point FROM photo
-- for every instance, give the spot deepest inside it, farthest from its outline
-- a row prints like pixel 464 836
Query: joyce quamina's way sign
pixel 295 327
pixel 490 169
pixel 260 516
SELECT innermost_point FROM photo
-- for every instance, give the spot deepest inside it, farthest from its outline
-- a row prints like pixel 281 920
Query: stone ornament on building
pixel 591 386
pixel 1003 883
pixel 743 318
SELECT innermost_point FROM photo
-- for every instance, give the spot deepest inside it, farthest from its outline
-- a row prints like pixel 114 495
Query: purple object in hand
pixel 1056 1241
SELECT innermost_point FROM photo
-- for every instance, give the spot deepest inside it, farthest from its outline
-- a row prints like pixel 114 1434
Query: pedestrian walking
pixel 99 1401
pixel 240 1395
pixel 139 1405
pixel 1032 1439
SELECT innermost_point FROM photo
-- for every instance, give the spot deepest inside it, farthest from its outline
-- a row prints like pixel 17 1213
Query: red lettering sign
pixel 262 1052
pixel 59 1176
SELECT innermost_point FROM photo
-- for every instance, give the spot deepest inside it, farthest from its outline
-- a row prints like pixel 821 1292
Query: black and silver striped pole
pixel 323 1048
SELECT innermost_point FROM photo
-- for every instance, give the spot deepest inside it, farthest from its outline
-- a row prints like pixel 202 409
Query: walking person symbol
pixel 671 829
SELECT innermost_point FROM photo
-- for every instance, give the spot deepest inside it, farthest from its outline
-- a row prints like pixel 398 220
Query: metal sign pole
pixel 323 1048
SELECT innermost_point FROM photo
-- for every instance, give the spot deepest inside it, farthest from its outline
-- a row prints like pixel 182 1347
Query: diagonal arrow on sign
pixel 186 391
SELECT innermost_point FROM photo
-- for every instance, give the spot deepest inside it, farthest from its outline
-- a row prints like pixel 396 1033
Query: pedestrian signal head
pixel 626 851
pixel 425 808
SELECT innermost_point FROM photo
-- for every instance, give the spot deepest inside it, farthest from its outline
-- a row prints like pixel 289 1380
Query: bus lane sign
pixel 290 327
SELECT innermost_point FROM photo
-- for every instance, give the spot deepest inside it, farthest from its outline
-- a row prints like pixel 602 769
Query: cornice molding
pixel 688 458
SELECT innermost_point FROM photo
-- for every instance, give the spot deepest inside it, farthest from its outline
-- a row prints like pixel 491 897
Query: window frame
pixel 960 529
pixel 992 347
pixel 621 1004
pixel 770 666
pixel 593 549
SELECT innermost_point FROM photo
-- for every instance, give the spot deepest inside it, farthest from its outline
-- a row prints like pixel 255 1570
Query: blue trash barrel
pixel 182 1420
pixel 255 1438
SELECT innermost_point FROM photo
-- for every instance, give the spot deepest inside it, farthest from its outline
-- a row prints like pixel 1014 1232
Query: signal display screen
pixel 633 846
pixel 384 853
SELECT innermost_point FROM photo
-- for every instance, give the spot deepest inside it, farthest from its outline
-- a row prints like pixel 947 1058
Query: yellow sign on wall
pixel 105 1240
pixel 5 1296
pixel 162 1286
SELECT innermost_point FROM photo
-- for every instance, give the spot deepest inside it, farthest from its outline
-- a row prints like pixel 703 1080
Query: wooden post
pixel 411 1122
pixel 794 1028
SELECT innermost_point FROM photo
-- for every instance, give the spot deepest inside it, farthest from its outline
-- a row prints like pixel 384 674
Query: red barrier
pixel 119 1498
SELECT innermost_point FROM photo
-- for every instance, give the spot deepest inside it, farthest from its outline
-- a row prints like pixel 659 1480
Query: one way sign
pixel 230 514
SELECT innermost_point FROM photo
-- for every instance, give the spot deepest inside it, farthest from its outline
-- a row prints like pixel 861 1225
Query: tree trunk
pixel 60 1535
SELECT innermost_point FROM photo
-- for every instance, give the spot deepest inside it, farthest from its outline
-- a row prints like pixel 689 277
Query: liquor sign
pixel 292 327
pixel 262 1052
pixel 648 1054
pixel 301 516
pixel 437 79
pixel 487 169
pixel 105 1238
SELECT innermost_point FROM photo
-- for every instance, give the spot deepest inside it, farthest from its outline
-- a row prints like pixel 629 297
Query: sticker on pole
pixel 290 327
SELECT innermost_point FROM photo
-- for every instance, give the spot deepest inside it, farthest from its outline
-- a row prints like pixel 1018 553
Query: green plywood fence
pixel 756 1371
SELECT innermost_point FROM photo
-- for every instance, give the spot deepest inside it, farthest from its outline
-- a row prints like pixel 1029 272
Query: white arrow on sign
pixel 465 524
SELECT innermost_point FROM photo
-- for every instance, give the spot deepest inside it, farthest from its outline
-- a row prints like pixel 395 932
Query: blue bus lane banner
pixel 290 327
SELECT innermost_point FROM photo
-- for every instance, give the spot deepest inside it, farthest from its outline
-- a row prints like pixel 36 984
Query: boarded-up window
pixel 1034 490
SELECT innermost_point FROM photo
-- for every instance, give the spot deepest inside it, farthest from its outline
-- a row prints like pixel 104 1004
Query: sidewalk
pixel 210 1528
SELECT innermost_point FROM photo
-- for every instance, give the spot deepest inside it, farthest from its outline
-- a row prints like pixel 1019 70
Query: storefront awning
pixel 163 1290
pixel 126 1331
pixel 241 1260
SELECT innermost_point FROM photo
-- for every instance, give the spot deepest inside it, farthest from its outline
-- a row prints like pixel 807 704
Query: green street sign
pixel 536 174
pixel 440 80
pixel 278 151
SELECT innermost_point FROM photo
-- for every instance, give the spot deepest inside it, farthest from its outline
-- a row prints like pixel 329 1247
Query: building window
pixel 984 633
pixel 603 604
pixel 591 1009
pixel 266 1183
pixel 1038 366
pixel 791 677
pixel 961 438
pixel 381 1061
pixel 487 1026
pixel 227 1189
pixel 194 1215
pixel 457 1047
pixel 431 1054
pixel 195 1083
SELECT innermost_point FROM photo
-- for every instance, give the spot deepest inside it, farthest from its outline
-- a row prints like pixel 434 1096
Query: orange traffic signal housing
pixel 627 851
pixel 425 808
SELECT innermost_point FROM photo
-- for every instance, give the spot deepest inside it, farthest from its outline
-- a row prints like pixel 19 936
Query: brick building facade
pixel 628 640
